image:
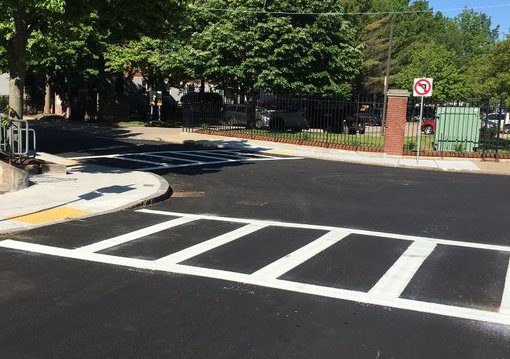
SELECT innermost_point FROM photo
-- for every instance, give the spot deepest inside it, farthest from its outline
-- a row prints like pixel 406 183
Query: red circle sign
pixel 422 87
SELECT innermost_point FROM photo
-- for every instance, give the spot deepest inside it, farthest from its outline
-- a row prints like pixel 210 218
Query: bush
pixel 459 148
pixel 409 146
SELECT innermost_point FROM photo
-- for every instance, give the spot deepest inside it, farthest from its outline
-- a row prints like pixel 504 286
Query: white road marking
pixel 112 242
pixel 99 156
pixel 129 159
pixel 446 242
pixel 210 244
pixel 213 163
pixel 299 256
pixel 133 154
pixel 256 154
pixel 230 154
pixel 219 157
pixel 342 294
pixel 199 154
pixel 505 301
pixel 396 279
pixel 167 157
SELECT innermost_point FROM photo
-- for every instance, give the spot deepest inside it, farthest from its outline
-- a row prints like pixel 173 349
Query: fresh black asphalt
pixel 254 251
pixel 356 263
pixel 173 240
pixel 52 307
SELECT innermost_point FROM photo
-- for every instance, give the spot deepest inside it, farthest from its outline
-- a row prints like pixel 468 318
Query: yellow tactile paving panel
pixel 50 215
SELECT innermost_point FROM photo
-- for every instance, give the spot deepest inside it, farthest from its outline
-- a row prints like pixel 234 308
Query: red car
pixel 428 127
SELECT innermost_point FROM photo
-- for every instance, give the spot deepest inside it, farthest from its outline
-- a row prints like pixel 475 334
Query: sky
pixel 500 15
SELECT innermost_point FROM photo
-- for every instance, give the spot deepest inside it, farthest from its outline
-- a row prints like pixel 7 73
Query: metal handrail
pixel 17 139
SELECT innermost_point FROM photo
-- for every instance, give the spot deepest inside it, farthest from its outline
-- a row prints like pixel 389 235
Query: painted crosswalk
pixel 388 289
pixel 161 160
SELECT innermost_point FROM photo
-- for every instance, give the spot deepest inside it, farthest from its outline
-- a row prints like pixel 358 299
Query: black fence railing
pixel 458 129
pixel 315 120
pixel 4 102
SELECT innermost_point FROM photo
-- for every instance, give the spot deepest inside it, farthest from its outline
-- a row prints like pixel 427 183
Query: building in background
pixel 4 84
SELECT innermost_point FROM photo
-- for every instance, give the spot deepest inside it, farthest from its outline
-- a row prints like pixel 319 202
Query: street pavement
pixel 259 255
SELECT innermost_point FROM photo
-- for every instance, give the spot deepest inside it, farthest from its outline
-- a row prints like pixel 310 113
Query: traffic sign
pixel 423 87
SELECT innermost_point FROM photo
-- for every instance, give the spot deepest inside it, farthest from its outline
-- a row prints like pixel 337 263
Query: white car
pixel 502 118
pixel 237 115
pixel 279 120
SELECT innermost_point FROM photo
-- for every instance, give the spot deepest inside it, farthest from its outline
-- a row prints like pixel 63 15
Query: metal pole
pixel 419 131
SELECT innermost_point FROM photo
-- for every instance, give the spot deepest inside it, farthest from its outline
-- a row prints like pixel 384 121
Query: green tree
pixel 66 40
pixel 66 54
pixel 477 34
pixel 497 77
pixel 416 23
pixel 19 19
pixel 252 51
pixel 436 61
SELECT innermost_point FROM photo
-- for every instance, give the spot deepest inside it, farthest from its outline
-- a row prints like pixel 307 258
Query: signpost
pixel 422 88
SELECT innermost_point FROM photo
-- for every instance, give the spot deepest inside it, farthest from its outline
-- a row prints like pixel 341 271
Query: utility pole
pixel 387 75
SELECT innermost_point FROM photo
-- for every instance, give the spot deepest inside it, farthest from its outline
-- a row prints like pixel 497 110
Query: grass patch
pixel 132 124
pixel 365 140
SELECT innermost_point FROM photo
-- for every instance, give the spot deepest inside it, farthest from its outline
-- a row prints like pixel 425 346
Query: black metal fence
pixel 455 129
pixel 4 102
pixel 458 129
pixel 315 120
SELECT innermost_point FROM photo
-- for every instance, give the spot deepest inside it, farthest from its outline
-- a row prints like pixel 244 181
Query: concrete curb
pixel 437 164
pixel 164 192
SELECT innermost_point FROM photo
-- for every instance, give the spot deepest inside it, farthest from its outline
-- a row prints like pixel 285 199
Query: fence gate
pixel 459 129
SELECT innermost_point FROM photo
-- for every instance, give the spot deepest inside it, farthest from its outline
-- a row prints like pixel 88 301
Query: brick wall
pixel 395 122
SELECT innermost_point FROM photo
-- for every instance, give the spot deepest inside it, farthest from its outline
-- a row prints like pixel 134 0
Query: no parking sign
pixel 423 87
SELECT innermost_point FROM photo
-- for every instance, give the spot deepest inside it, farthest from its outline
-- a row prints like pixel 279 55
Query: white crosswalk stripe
pixel 187 158
pixel 386 292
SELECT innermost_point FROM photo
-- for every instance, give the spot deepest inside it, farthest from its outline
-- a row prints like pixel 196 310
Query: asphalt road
pixel 138 284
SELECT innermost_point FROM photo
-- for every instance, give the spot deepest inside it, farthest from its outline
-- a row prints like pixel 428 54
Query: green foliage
pixel 433 60
pixel 259 51
pixel 498 74
pixel 409 145
pixel 74 42
pixel 459 148
pixel 477 34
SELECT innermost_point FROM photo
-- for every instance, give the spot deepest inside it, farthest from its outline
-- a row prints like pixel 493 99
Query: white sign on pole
pixel 423 87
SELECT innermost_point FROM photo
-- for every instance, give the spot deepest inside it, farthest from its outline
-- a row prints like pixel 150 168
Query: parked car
pixel 278 119
pixel 282 120
pixel 501 119
pixel 370 118
pixel 338 116
pixel 428 127
pixel 429 113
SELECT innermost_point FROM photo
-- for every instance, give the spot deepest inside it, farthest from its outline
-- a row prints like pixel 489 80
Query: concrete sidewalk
pixel 177 136
pixel 85 191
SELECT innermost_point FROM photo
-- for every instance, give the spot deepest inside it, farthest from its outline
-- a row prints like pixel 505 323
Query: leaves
pixel 433 60
pixel 256 51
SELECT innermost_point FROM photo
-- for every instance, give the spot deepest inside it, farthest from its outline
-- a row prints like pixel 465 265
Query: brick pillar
pixel 395 122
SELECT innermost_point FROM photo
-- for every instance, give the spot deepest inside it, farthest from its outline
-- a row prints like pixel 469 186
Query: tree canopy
pixel 299 46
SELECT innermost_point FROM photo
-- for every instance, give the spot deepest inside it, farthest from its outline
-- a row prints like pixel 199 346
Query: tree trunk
pixel 16 57
pixel 47 96
pixel 101 89
pixel 202 85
